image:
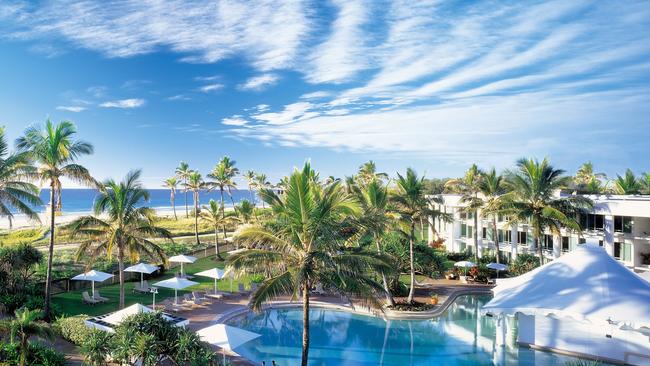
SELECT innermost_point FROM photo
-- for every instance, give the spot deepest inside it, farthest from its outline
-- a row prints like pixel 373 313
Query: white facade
pixel 621 224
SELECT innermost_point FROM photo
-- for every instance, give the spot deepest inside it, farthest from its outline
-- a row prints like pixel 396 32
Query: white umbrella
pixel 225 336
pixel 177 284
pixel 497 267
pixel 182 259
pixel 142 268
pixel 93 276
pixel 465 264
pixel 215 273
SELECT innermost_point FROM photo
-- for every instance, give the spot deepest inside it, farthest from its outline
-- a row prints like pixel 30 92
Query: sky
pixel 434 85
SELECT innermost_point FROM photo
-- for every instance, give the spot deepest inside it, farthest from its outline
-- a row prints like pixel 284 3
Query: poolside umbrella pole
pixel 215 273
pixel 182 259
pixel 176 283
pixel 142 268
pixel 465 264
pixel 497 267
pixel 93 276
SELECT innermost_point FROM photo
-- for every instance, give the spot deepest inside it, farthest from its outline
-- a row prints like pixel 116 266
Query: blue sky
pixel 436 85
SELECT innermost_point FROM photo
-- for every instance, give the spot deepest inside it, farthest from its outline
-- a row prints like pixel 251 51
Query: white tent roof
pixel 465 264
pixel 182 259
pixel 176 283
pixel 93 275
pixel 142 268
pixel 108 321
pixel 225 336
pixel 585 284
pixel 118 316
pixel 216 273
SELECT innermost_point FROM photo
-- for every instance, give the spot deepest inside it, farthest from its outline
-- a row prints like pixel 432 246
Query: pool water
pixel 460 336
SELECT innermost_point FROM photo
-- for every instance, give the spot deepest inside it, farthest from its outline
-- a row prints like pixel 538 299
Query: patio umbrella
pixel 177 284
pixel 465 264
pixel 182 259
pixel 142 268
pixel 215 273
pixel 226 336
pixel 93 276
pixel 497 267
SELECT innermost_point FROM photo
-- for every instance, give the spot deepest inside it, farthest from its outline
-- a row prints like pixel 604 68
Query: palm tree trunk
pixel 305 324
pixel 412 262
pixel 187 212
pixel 196 218
pixel 24 349
pixel 389 297
pixel 120 267
pixel 223 215
pixel 174 206
pixel 50 254
pixel 421 229
pixel 216 242
pixel 495 236
pixel 475 235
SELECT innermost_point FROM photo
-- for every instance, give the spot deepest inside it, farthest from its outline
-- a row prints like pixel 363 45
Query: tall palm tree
pixel 262 183
pixel 127 228
pixel 172 184
pixel 303 248
pixel 222 178
pixel 368 173
pixel 250 179
pixel 183 172
pixel 15 192
pixel 644 181
pixel 245 210
pixel 376 219
pixel 55 149
pixel 195 184
pixel 469 186
pixel 23 327
pixel 212 215
pixel 627 184
pixel 411 205
pixel 587 180
pixel 492 188
pixel 533 198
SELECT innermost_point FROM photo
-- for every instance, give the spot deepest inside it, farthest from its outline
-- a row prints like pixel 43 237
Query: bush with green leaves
pixel 38 355
pixel 460 256
pixel 96 347
pixel 73 329
pixel 428 261
pixel 17 269
pixel 524 263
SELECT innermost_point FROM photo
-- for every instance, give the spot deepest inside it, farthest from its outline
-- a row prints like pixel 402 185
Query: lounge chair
pixel 199 299
pixel 318 290
pixel 189 301
pixel 87 299
pixel 242 289
pixel 214 294
pixel 145 288
pixel 98 296
pixel 169 306
pixel 254 286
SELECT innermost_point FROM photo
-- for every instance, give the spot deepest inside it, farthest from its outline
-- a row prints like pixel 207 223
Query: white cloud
pixel 75 109
pixel 178 97
pixel 262 107
pixel 124 103
pixel 259 82
pixel 316 95
pixel 291 113
pixel 234 121
pixel 211 87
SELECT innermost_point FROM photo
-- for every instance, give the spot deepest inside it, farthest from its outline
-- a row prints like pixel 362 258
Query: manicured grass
pixel 70 303
pixel 406 279
pixel 20 236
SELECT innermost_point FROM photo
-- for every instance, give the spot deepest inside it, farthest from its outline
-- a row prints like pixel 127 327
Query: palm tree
pixel 126 229
pixel 245 210
pixel 222 176
pixel 250 179
pixel 262 183
pixel 587 181
pixel 492 188
pixel 15 192
pixel 302 248
pixel 627 184
pixel 376 219
pixel 411 205
pixel 533 198
pixel 183 172
pixel 368 173
pixel 469 186
pixel 644 181
pixel 195 184
pixel 171 184
pixel 23 327
pixel 212 215
pixel 54 149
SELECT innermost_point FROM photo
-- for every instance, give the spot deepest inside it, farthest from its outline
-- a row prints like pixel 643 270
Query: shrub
pixel 38 355
pixel 461 256
pixel 257 278
pixel 73 329
pixel 524 263
pixel 96 347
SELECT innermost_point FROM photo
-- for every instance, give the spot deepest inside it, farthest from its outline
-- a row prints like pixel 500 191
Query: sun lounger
pixel 254 286
pixel 98 296
pixel 242 289
pixel 87 299
pixel 214 295
pixel 169 306
pixel 318 290
pixel 142 289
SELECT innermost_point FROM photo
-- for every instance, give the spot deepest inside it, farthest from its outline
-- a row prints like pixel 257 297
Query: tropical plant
pixel 368 173
pixel 15 192
pixel 55 149
pixel 195 184
pixel 172 184
pixel 96 347
pixel 245 210
pixel 534 199
pixel 126 228
pixel 212 214
pixel 644 182
pixel 18 265
pixel 25 325
pixel 262 183
pixel 469 186
pixel 222 178
pixel 586 174
pixel 183 172
pixel 411 206
pixel 627 184
pixel 492 187
pixel 250 175
pixel 301 247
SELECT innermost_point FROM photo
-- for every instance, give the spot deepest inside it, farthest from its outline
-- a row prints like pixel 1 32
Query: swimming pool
pixel 460 336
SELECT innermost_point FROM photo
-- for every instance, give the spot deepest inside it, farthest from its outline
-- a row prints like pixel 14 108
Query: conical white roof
pixel 182 258
pixel 217 273
pixel 585 284
pixel 142 268
pixel 226 336
pixel 97 276
pixel 118 316
pixel 176 283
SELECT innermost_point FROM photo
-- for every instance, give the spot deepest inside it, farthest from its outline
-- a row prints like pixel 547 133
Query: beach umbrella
pixel 93 276
pixel 497 267
pixel 142 268
pixel 182 259
pixel 465 264
pixel 176 283
pixel 226 336
pixel 215 273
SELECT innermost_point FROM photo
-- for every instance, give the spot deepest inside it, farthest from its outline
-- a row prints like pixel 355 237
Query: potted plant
pixel 434 299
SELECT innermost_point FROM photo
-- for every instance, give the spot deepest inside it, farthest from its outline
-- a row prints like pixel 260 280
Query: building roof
pixel 109 321
pixel 585 284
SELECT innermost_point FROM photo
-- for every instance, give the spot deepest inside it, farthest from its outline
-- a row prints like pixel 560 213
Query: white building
pixel 621 224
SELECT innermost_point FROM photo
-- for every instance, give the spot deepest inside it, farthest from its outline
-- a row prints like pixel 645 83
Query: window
pixel 600 243
pixel 463 215
pixel 484 235
pixel 470 232
pixel 508 236
pixel 592 222
pixel 623 251
pixel 463 230
pixel 565 243
pixel 521 237
pixel 547 242
pixel 582 240
pixel 623 224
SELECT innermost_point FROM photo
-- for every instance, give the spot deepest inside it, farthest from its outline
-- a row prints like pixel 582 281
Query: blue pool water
pixel 458 337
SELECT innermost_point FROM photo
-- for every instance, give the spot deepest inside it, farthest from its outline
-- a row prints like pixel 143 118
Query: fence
pixel 66 284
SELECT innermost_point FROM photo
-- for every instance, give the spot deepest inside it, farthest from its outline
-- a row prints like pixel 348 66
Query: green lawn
pixel 70 303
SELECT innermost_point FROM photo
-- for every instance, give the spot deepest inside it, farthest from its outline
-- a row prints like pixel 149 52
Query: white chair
pixel 87 299
pixel 99 297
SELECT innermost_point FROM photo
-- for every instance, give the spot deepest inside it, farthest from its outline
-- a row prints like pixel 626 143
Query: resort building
pixel 620 224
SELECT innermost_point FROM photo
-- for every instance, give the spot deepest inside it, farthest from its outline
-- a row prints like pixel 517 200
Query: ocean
pixel 81 200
